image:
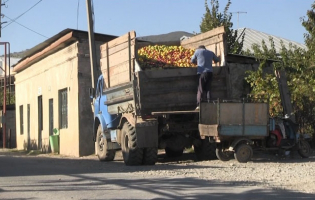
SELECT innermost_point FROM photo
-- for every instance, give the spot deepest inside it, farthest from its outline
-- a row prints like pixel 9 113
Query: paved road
pixel 52 177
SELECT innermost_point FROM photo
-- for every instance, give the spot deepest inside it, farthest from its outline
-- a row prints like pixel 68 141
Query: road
pixel 55 177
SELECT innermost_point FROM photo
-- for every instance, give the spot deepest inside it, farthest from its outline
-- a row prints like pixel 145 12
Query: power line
pixel 25 26
pixel 21 14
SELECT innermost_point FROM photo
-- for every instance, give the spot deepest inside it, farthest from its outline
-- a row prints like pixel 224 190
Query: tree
pixel 10 97
pixel 309 25
pixel 213 19
pixel 299 66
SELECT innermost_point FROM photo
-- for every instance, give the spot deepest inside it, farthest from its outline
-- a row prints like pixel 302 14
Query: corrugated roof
pixel 256 37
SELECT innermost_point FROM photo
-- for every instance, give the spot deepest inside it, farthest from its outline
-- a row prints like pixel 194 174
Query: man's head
pixel 202 47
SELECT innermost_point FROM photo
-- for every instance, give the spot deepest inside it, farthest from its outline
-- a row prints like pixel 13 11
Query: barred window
pixel 63 108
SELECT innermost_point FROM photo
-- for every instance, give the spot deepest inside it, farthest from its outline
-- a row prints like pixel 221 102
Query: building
pixel 256 37
pixel 52 86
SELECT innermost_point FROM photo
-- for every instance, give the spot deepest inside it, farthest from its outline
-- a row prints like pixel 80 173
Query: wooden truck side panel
pixel 118 59
pixel 214 40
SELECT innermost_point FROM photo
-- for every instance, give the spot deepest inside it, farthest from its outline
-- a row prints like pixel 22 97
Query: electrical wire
pixel 21 14
pixel 25 27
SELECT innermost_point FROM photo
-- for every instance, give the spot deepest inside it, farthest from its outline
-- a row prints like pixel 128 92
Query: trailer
pixel 241 126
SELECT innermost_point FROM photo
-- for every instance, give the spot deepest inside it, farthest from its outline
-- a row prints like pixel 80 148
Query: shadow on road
pixel 292 157
pixel 114 180
pixel 159 188
pixel 53 165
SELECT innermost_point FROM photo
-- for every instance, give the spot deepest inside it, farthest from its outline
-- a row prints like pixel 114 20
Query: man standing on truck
pixel 203 58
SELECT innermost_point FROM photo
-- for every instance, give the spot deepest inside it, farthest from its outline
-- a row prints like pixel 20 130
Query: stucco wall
pixel 85 112
pixel 68 68
pixel 46 77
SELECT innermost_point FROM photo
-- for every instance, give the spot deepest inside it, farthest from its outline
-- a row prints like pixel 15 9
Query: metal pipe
pixel 5 92
pixel 4 98
pixel 9 73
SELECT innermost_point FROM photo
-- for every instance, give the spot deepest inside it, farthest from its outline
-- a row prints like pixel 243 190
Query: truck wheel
pixel 131 153
pixel 172 153
pixel 150 156
pixel 221 154
pixel 243 153
pixel 304 149
pixel 205 151
pixel 103 153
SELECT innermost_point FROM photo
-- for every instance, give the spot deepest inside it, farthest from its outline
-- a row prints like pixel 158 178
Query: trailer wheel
pixel 173 153
pixel 243 153
pixel 304 149
pixel 103 153
pixel 131 153
pixel 206 150
pixel 221 154
pixel 150 156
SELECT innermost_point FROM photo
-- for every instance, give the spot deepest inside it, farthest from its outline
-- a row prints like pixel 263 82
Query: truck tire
pixel 206 150
pixel 131 153
pixel 304 149
pixel 243 153
pixel 172 153
pixel 150 156
pixel 103 153
pixel 221 154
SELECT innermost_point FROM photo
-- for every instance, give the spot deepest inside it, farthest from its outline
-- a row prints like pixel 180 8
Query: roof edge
pixel 24 63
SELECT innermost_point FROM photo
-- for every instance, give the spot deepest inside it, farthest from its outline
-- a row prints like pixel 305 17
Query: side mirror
pixel 91 92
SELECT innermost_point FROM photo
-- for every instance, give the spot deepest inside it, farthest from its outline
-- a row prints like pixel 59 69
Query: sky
pixel 31 22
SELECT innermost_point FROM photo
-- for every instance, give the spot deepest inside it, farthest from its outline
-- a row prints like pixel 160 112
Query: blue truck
pixel 140 111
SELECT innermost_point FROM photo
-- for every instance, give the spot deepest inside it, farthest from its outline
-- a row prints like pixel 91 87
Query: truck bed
pixel 145 92
pixel 156 91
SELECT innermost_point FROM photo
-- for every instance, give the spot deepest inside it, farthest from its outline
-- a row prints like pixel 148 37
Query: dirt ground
pixel 278 172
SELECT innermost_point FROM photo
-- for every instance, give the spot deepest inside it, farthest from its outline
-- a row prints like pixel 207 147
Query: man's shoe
pixel 197 108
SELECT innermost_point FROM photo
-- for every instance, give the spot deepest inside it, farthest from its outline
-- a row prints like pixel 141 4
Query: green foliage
pixel 301 81
pixel 263 83
pixel 213 19
pixel 10 97
pixel 309 37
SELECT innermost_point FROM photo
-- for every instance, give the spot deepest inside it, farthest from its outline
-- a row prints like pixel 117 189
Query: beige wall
pixel 46 77
pixel 68 68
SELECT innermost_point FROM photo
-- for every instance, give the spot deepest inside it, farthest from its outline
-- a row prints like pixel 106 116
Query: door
pixel 98 94
pixel 51 116
pixel 28 126
pixel 40 121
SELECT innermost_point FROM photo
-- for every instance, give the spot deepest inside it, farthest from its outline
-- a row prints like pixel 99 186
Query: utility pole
pixel 0 17
pixel 238 14
pixel 91 43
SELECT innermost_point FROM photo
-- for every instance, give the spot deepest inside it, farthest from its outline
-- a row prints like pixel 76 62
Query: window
pixel 21 120
pixel 63 108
